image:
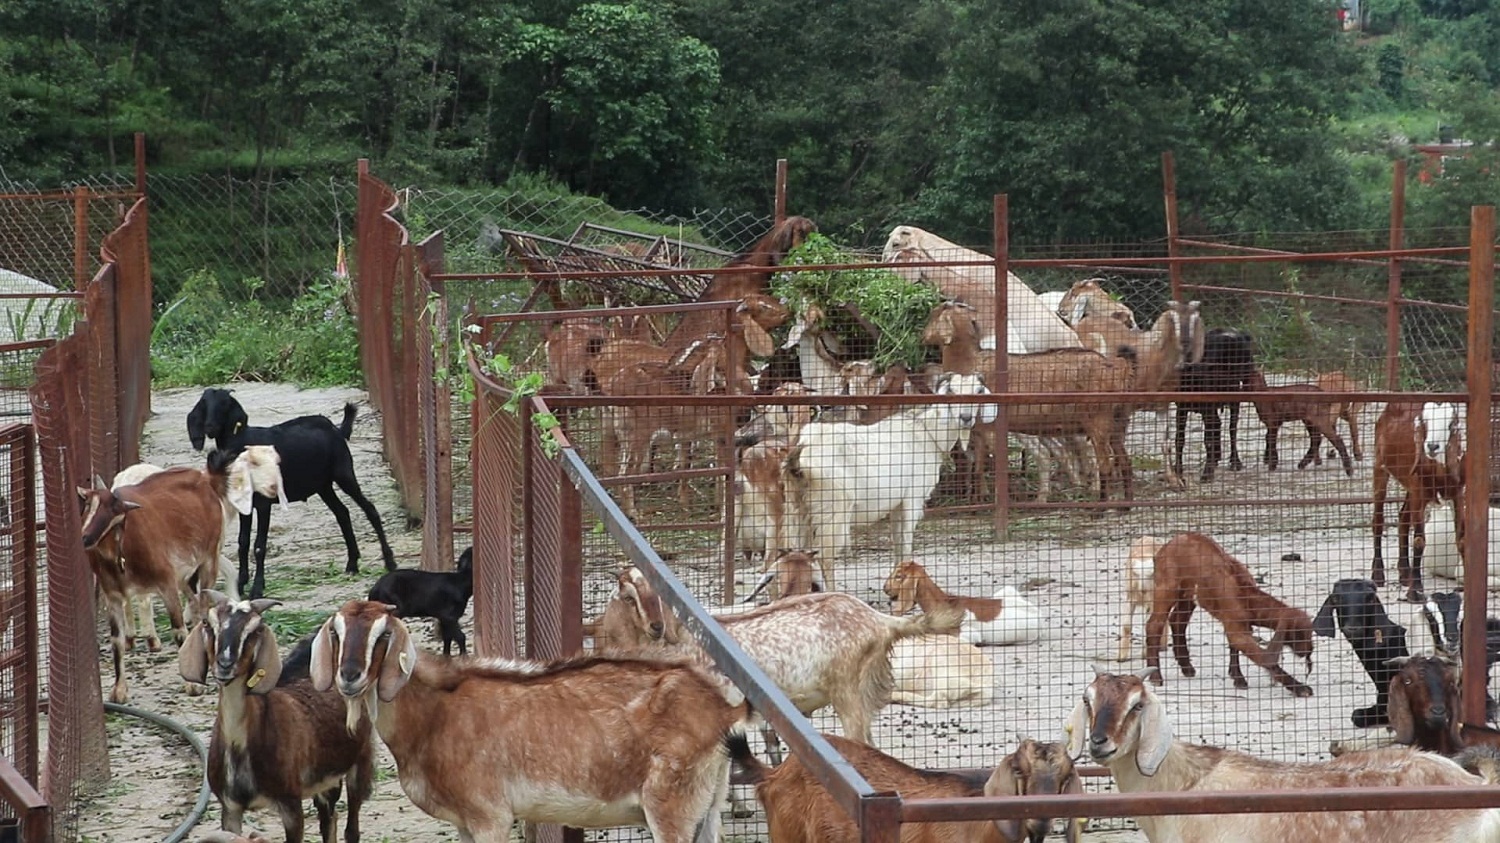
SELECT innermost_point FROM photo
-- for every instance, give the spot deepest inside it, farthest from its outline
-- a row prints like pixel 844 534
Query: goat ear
pixel 195 421
pixel 400 659
pixel 1323 622
pixel 1199 336
pixel 83 492
pixel 323 658
pixel 1076 729
pixel 1076 825
pixel 756 339
pixel 765 580
pixel 266 669
pixel 1003 782
pixel 1154 738
pixel 192 656
pixel 1399 709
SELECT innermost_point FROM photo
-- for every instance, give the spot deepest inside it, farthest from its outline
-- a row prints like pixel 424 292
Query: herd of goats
pixel 644 730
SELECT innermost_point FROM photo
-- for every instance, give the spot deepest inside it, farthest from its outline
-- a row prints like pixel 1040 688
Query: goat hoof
pixel 193 689
pixel 1188 671
pixel 153 644
pixel 1414 596
pixel 1236 465
pixel 1299 690
pixel 1156 677
pixel 1241 684
pixel 119 696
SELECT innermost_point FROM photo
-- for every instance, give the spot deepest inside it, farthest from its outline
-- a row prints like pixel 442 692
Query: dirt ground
pixel 1069 565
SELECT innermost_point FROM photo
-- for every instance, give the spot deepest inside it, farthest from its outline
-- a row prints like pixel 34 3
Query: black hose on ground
pixel 196 815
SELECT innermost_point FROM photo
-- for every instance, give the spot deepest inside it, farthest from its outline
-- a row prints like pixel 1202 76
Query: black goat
pixel 1444 611
pixel 1377 641
pixel 314 458
pixel 443 595
pixel 1227 366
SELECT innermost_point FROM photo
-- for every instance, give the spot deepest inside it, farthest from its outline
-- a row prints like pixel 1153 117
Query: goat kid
pixel 1007 618
pixel 589 743
pixel 1377 640
pixel 276 741
pixel 1302 402
pixel 314 457
pixel 440 595
pixel 1125 727
pixel 1193 570
pixel 799 809
pixel 1422 447
pixel 1140 566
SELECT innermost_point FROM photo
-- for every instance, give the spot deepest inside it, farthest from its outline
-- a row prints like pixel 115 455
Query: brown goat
pixel 1302 402
pixel 1349 411
pixel 799 809
pixel 160 535
pixel 1088 298
pixel 1422 447
pixel 1424 702
pixel 1193 570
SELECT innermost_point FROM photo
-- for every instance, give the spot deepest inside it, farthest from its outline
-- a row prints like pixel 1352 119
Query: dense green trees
pixel 888 110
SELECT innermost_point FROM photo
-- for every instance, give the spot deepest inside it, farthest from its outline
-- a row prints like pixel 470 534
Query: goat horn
pixel 765 580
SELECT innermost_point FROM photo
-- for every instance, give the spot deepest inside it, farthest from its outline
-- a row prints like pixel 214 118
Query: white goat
pixel 1124 726
pixel 1006 618
pixel 941 671
pixel 846 475
pixel 1140 567
pixel 1031 325
pixel 588 743
pixel 1441 557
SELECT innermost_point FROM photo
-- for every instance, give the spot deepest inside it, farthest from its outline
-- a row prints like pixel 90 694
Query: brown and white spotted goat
pixel 588 743
pixel 276 740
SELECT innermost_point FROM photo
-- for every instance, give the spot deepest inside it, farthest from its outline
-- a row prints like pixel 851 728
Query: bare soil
pixel 1069 564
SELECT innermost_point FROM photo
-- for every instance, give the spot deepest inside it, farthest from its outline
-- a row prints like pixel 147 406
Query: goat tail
pixel 753 769
pixel 347 426
pixel 1481 760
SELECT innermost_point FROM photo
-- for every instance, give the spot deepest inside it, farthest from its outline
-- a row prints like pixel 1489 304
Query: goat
pixel 276 741
pixel 1444 613
pixel 791 573
pixel 1193 570
pixel 1377 640
pixel 821 649
pixel 588 742
pixel 314 458
pixel 1031 326
pixel 1441 557
pixel 845 475
pixel 441 595
pixel 1303 402
pixel 1422 448
pixel 1349 411
pixel 756 314
pixel 1424 703
pixel 1175 340
pixel 760 486
pixel 568 354
pixel 1140 565
pixel 1088 298
pixel 1125 727
pixel 799 809
pixel 160 535
pixel 1228 359
pixel 697 370
pixel 1007 618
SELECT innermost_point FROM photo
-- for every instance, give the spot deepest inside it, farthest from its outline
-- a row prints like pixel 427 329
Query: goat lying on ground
pixel 1301 402
pixel 1140 564
pixel 1440 556
pixel 1007 618
pixel 588 743
pixel 1377 640
pixel 314 458
pixel 1124 726
pixel 799 809
pixel 1193 570
pixel 276 741
pixel 1228 359
pixel 160 535
pixel 1422 446
pixel 440 595
pixel 1424 703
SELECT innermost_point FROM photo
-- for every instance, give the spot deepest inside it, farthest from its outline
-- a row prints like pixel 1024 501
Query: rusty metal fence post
pixel 1477 483
pixel 129 325
pixel 1001 383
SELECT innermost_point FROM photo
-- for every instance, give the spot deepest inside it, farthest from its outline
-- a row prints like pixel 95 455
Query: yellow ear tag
pixel 237 426
pixel 255 680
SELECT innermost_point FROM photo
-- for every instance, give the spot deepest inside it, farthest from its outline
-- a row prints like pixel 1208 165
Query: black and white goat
pixel 276 740
pixel 1227 366
pixel 314 458
pixel 1444 613
pixel 441 595
pixel 1377 641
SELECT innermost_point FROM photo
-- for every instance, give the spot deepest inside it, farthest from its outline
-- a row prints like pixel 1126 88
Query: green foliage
pixel 218 330
pixel 896 307
pixel 1391 65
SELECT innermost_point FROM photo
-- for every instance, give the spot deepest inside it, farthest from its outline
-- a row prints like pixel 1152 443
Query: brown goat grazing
pixel 799 809
pixel 1349 411
pixel 276 741
pixel 589 743
pixel 1302 402
pixel 1422 447
pixel 160 535
pixel 1124 726
pixel 1193 570
pixel 1424 702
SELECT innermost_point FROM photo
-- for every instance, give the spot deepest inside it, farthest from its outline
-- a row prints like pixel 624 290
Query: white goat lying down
pixel 1006 618
pixel 1124 726
pixel 1441 556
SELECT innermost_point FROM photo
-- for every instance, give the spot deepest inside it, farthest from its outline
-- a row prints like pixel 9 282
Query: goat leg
pixel 119 693
pixel 1377 524
pixel 1178 619
pixel 1241 640
pixel 1234 437
pixel 1404 521
pixel 291 818
pixel 1213 443
pixel 1156 624
pixel 1235 674
pixel 1418 547
pixel 1272 456
pixel 328 815
pixel 1314 447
